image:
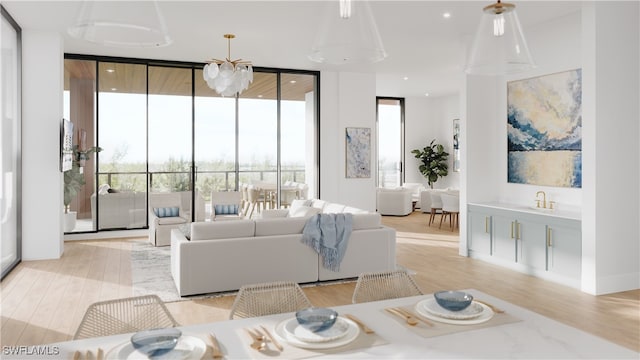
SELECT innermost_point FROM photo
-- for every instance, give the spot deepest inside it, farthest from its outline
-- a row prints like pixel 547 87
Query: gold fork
pixel 273 340
pixel 409 319
pixel 258 343
pixel 215 347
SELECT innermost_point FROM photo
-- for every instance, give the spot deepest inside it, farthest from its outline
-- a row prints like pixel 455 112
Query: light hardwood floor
pixel 43 301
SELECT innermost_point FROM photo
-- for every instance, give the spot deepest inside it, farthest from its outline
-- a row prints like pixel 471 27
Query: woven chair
pixel 384 285
pixel 268 298
pixel 124 316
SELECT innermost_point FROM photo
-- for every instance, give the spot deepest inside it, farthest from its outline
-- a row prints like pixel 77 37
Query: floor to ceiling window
pixel 390 112
pixel 10 178
pixel 162 129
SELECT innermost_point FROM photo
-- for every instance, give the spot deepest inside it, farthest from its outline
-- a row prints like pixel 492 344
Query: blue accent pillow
pixel 167 211
pixel 226 209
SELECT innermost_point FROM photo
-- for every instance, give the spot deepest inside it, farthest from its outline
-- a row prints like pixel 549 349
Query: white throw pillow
pixel 296 203
pixel 304 211
pixel 104 189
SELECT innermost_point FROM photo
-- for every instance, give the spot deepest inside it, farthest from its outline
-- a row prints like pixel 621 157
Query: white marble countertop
pixel 558 213
pixel 534 337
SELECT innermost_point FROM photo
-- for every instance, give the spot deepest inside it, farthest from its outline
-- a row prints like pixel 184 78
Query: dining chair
pixel 451 208
pixel 384 285
pixel 436 205
pixel 287 197
pixel 268 298
pixel 254 196
pixel 125 315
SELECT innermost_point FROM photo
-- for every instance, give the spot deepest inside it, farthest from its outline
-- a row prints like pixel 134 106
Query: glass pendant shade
pixel 115 23
pixel 348 34
pixel 228 77
pixel 499 46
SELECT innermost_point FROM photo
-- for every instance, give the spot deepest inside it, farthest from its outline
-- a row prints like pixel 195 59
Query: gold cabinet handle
pixel 549 241
pixel 519 232
pixel 512 229
pixel 486 224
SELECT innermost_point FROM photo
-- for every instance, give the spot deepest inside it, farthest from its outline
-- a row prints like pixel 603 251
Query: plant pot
pixel 70 221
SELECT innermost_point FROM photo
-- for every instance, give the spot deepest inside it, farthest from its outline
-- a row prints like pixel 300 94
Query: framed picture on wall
pixel 358 152
pixel 455 166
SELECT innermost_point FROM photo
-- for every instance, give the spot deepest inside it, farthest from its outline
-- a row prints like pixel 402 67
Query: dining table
pixel 269 192
pixel 502 330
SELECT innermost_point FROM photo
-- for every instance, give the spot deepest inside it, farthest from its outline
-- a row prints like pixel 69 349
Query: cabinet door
pixel 504 241
pixel 531 244
pixel 480 233
pixel 564 251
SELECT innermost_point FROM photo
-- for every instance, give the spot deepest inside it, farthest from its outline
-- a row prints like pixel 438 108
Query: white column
pixel 42 109
pixel 610 230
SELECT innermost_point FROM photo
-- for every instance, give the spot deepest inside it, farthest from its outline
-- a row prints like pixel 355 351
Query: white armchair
pixel 394 201
pixel 416 189
pixel 162 219
pixel 226 205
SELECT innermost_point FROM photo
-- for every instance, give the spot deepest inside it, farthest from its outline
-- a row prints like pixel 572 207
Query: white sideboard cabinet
pixel 547 245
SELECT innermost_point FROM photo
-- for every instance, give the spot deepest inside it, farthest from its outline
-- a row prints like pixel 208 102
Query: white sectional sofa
pixel 224 255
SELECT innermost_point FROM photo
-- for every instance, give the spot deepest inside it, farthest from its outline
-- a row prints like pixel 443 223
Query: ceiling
pixel 426 52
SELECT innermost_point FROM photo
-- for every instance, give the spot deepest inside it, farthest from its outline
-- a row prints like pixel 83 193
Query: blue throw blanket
pixel 328 235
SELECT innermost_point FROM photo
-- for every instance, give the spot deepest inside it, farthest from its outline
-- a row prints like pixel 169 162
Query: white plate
pixel 350 335
pixel 188 347
pixel 338 330
pixel 472 311
pixel 484 316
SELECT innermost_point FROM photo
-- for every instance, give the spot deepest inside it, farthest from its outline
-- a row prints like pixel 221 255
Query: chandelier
pixel 228 77
pixel 499 47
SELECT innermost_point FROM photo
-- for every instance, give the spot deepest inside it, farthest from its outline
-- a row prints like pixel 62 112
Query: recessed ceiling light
pixel 113 89
pixel 259 96
pixel 111 70
pixel 405 78
pixel 292 82
pixel 446 15
pixel 426 94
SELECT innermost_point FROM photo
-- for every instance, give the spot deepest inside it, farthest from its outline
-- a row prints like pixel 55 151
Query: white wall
pixel 427 119
pixel 42 86
pixel 485 128
pixel 611 246
pixel 561 54
pixel 605 45
pixel 347 100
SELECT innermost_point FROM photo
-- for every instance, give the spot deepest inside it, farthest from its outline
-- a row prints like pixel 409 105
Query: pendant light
pixel 499 47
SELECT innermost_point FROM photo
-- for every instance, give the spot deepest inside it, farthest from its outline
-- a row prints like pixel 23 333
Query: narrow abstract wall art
pixel 544 124
pixel 358 152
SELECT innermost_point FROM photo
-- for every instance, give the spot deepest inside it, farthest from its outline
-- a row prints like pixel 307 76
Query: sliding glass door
pixel 162 129
pixel 119 201
pixel 390 141
pixel 10 178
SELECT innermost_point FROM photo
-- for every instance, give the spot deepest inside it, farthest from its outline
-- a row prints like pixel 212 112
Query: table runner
pixel 439 328
pixel 291 352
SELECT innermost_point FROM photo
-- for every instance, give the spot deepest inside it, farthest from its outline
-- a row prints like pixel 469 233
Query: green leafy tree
pixel 73 178
pixel 433 162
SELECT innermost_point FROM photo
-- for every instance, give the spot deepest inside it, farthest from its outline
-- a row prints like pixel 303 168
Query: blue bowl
pixel 316 319
pixel 453 300
pixel 156 342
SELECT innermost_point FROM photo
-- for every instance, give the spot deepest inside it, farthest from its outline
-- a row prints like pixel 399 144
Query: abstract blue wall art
pixel 358 143
pixel 544 130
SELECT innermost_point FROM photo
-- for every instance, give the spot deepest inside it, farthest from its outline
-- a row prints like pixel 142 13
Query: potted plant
pixel 433 162
pixel 73 182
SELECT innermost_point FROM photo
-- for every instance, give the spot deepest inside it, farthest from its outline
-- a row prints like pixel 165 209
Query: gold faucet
pixel 544 199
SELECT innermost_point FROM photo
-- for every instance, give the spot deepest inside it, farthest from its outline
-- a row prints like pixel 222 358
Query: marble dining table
pixel 515 333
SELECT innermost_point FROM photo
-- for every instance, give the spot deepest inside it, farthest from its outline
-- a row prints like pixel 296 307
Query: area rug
pixel 151 274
